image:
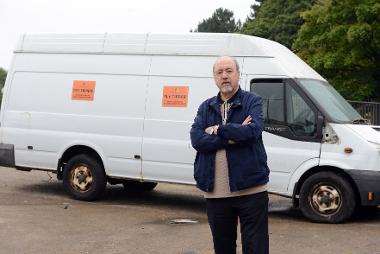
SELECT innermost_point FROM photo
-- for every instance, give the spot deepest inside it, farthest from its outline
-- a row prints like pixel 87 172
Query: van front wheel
pixel 327 197
pixel 84 178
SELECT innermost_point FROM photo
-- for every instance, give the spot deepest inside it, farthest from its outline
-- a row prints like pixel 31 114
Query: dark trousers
pixel 252 211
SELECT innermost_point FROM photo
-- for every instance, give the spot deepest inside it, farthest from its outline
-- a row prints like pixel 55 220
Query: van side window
pixel 272 94
pixel 284 106
pixel 299 116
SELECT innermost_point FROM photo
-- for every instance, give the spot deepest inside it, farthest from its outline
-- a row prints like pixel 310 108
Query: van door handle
pixel 138 157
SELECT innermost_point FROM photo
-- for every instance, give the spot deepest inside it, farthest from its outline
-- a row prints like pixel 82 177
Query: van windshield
pixel 331 101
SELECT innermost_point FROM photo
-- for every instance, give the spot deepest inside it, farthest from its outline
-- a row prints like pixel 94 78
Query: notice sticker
pixel 175 96
pixel 83 90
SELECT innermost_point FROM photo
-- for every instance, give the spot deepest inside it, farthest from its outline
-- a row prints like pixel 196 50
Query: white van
pixel 118 108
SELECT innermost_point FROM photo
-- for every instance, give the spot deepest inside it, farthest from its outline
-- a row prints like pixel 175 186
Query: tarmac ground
pixel 36 216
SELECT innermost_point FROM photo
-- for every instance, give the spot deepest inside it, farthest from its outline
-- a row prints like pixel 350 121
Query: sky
pixel 105 16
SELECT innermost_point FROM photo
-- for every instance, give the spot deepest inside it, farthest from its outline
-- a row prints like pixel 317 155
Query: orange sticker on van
pixel 83 90
pixel 175 96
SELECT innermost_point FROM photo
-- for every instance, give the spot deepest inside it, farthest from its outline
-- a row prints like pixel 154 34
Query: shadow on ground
pixel 280 208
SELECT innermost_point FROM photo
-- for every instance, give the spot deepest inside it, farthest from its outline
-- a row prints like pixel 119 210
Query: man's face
pixel 226 75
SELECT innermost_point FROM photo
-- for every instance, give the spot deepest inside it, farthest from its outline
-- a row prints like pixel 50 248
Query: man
pixel 230 165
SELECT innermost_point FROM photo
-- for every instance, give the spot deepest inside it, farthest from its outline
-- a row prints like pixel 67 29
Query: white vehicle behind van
pixel 118 108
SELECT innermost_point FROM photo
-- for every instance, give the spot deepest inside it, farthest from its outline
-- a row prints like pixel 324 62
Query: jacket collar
pixel 235 100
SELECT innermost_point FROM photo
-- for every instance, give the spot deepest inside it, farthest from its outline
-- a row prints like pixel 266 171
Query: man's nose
pixel 224 74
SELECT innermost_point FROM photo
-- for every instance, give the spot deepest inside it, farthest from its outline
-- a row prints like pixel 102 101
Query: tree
pixel 254 10
pixel 221 21
pixel 341 40
pixel 277 20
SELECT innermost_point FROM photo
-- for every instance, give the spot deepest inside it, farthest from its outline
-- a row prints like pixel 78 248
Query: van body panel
pixel 113 120
pixel 283 56
pixel 369 133
pixel 299 172
pixel 286 156
pixel 184 66
pixel 168 172
pixel 363 157
pixel 166 145
pixel 266 66
pixel 82 63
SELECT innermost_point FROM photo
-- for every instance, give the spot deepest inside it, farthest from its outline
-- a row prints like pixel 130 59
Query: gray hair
pixel 233 58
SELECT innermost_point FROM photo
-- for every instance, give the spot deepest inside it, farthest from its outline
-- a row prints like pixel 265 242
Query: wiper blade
pixel 360 120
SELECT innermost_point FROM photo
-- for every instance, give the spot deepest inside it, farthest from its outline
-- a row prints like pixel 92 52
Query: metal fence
pixel 368 110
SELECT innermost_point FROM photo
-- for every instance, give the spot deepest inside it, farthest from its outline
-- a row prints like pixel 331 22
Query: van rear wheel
pixel 327 197
pixel 84 177
pixel 134 185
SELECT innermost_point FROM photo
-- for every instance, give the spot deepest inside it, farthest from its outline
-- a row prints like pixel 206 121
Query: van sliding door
pixel 177 86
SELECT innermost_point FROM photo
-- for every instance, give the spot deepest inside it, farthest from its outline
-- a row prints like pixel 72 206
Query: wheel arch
pixel 75 150
pixel 317 169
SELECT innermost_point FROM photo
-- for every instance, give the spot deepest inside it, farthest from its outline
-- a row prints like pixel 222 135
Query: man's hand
pixel 247 120
pixel 212 130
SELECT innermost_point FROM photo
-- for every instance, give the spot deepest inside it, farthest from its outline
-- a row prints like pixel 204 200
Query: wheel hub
pixel 326 199
pixel 81 178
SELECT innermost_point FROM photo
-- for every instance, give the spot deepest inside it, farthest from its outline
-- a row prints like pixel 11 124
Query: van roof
pixel 211 44
pixel 190 44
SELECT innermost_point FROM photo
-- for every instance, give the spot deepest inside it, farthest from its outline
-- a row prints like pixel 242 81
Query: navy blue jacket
pixel 247 160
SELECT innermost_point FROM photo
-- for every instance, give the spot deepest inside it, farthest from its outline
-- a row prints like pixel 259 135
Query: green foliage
pixel 341 40
pixel 277 20
pixel 254 10
pixel 221 21
pixel 3 75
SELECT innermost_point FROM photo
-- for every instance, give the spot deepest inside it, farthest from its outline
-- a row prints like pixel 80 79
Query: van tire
pixel 327 197
pixel 133 185
pixel 84 177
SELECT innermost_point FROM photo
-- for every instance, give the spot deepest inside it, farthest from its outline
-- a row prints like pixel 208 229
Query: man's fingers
pixel 209 130
pixel 247 120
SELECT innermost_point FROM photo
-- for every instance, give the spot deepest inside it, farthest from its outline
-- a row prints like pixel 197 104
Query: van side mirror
pixel 320 122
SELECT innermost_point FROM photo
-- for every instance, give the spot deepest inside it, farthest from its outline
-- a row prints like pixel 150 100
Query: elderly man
pixel 231 164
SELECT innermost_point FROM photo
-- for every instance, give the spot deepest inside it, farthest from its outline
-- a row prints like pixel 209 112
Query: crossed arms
pixel 211 138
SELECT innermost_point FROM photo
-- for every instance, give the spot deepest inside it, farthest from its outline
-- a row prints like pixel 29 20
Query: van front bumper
pixel 7 155
pixel 367 182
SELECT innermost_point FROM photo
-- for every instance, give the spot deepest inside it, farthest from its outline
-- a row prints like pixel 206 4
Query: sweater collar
pixel 235 100
pixel 230 100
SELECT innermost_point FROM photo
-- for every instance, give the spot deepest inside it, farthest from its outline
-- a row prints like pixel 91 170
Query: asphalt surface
pixel 36 216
